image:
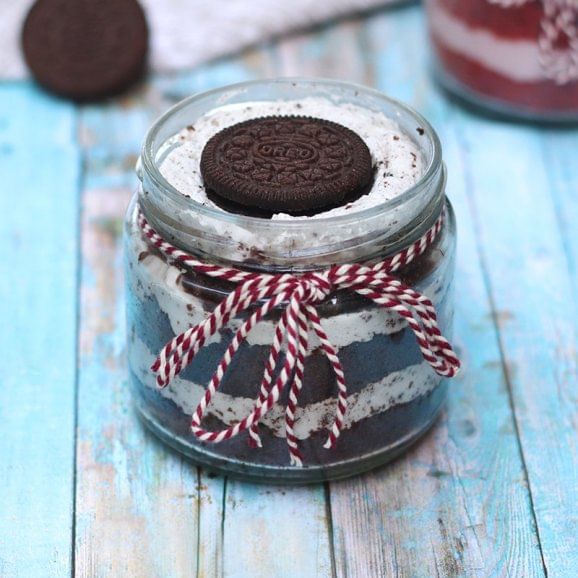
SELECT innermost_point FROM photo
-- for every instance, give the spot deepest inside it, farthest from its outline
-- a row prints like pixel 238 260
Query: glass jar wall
pixel 394 395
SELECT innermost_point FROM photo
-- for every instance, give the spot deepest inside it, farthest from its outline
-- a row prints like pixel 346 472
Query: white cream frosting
pixel 395 388
pixel 397 158
pixel 517 59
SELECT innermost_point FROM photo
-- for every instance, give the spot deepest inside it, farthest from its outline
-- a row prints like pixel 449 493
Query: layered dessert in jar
pixel 519 57
pixel 293 178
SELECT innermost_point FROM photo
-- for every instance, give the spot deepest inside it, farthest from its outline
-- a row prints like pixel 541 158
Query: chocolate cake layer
pixel 388 353
pixel 365 437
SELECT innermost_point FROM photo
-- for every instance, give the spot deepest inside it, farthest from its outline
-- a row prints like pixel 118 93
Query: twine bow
pixel 298 295
pixel 559 24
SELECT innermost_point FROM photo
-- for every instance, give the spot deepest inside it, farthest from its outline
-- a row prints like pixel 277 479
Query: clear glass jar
pixel 517 57
pixel 394 395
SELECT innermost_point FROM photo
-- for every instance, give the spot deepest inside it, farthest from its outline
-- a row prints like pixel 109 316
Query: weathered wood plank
pixel 527 270
pixel 188 495
pixel 39 164
pixel 331 52
pixel 456 505
pixel 175 87
pixel 276 531
pixel 137 504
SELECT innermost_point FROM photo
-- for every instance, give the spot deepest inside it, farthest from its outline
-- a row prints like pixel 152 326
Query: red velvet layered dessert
pixel 517 56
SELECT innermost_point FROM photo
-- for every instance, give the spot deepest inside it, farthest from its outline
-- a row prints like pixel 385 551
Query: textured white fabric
pixel 188 32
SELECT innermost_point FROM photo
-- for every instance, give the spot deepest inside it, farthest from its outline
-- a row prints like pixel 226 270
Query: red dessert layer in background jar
pixel 494 55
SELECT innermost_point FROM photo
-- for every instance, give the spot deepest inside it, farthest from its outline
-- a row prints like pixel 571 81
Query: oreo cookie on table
pixel 288 164
pixel 85 49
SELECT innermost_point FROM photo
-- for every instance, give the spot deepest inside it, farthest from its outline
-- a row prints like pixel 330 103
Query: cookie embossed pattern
pixel 518 57
pixel 287 164
pixel 250 333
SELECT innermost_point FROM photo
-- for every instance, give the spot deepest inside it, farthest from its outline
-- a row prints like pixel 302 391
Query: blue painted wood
pixel 137 503
pixel 457 505
pixel 175 87
pixel 332 52
pixel 559 150
pixel 527 271
pixel 39 164
pixel 276 531
pixel 118 495
pixel 111 136
pixel 137 507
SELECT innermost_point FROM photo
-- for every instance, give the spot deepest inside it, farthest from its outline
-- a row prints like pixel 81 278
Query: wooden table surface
pixel 492 491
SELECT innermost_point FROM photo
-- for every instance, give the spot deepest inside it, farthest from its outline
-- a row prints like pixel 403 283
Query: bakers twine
pixel 298 296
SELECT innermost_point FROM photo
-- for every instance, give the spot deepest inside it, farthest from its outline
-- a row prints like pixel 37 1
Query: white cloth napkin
pixel 185 33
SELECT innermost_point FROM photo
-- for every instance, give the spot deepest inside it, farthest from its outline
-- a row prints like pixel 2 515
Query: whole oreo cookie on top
pixel 289 164
pixel 85 49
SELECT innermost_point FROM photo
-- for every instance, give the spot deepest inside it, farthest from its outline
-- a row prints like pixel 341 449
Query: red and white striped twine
pixel 298 295
pixel 559 24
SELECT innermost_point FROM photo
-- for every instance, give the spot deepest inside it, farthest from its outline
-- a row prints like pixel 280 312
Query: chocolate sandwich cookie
pixel 288 164
pixel 85 50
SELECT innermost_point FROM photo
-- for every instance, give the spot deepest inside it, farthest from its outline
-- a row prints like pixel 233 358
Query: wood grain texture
pixel 456 505
pixel 122 470
pixel 38 303
pixel 559 151
pixel 276 531
pixel 527 271
pixel 136 503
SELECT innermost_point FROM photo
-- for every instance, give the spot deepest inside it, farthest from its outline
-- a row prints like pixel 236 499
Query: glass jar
pixel 518 57
pixel 394 395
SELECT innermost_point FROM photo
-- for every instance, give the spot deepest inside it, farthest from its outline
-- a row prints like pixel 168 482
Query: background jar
pixel 394 395
pixel 518 57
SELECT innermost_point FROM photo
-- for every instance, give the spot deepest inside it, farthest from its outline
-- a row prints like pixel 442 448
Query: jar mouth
pixel 149 166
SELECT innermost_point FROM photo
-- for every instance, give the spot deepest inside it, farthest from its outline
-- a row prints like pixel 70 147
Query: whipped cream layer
pixel 397 159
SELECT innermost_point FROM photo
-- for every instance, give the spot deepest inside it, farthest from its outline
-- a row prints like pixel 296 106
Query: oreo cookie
pixel 289 164
pixel 85 49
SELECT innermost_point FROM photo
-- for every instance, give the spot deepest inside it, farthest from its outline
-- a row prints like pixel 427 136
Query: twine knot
pixel 296 296
pixel 316 286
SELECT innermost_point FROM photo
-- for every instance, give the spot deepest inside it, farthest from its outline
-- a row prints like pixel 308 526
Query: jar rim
pixel 148 162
